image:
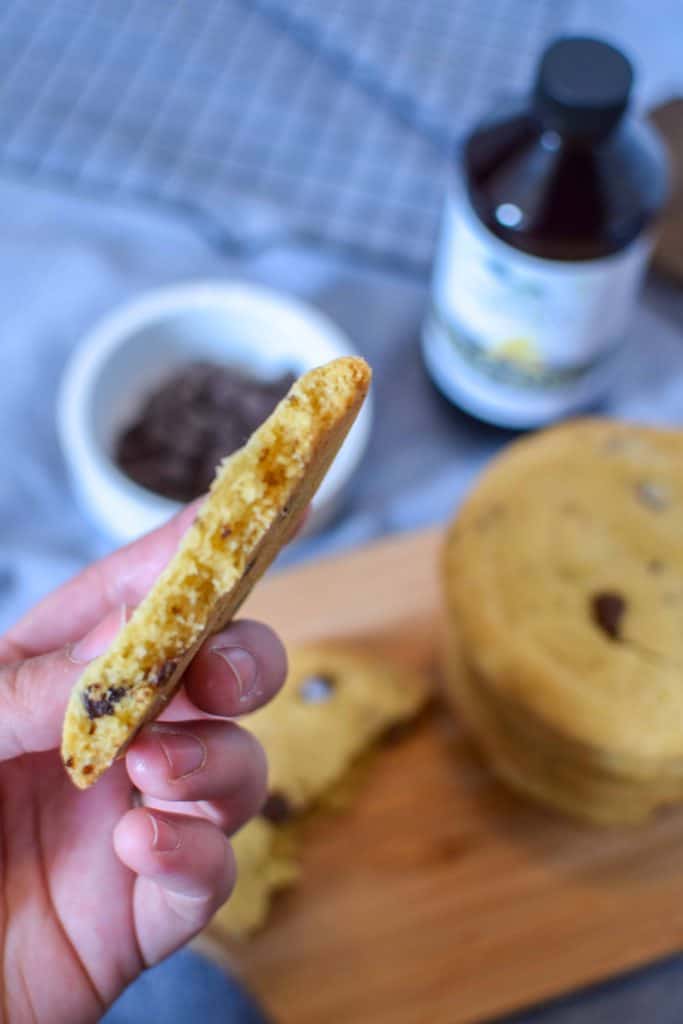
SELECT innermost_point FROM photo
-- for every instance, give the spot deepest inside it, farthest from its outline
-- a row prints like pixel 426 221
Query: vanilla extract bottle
pixel 546 235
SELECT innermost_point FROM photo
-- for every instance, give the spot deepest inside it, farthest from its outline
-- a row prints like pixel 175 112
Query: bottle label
pixel 526 321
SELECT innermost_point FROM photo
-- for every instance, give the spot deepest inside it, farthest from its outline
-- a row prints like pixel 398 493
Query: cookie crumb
pixel 607 610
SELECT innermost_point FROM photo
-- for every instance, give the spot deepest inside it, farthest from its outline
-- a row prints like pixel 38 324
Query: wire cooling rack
pixel 268 120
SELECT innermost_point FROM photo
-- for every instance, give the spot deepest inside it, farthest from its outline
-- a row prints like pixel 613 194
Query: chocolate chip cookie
pixel 335 704
pixel 563 577
pixel 258 494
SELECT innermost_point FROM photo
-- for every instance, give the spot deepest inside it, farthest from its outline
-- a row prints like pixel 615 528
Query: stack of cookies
pixel 564 586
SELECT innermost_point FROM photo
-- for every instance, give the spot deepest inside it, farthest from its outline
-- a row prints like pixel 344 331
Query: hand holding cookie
pixel 111 880
pixel 106 887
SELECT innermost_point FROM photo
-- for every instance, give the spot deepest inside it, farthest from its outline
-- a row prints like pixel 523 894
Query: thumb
pixel 34 693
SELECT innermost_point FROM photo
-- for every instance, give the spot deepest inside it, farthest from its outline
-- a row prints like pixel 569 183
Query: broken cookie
pixel 258 494
pixel 311 745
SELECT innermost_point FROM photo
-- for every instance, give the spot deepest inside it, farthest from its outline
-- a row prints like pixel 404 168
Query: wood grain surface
pixel 438 897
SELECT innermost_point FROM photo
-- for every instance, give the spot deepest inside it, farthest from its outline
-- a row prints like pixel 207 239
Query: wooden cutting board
pixel 438 897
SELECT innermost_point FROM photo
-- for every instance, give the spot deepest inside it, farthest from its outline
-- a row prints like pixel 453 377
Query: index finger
pixel 122 578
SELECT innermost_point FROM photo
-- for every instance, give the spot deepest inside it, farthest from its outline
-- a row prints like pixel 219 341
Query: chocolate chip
pixel 226 531
pixel 193 420
pixel 317 689
pixel 69 763
pixel 652 495
pixel 277 809
pixel 87 769
pixel 607 609
pixel 96 707
pixel 163 672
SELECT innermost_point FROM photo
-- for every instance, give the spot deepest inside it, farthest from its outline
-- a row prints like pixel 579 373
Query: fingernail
pixel 243 666
pixel 98 639
pixel 185 753
pixel 165 836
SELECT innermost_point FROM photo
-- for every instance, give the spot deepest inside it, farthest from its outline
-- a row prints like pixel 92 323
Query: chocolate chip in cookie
pixel 607 609
pixel 97 706
pixel 277 809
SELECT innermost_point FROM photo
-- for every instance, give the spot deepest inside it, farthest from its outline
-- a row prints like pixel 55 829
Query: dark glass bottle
pixel 545 238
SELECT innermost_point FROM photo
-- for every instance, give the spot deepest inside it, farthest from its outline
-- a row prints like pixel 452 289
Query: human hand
pixel 98 885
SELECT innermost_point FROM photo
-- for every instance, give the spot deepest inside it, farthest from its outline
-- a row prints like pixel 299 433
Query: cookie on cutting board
pixel 335 704
pixel 563 577
pixel 257 496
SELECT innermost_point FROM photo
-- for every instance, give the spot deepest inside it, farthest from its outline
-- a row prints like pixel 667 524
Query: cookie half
pixel 335 704
pixel 257 496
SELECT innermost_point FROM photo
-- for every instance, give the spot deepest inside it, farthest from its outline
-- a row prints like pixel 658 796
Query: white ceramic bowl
pixel 250 327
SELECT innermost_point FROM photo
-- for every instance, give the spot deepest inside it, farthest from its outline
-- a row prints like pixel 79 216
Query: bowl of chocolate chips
pixel 163 389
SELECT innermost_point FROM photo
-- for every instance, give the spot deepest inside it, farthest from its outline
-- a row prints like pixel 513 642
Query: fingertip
pixel 132 837
pixel 238 670
pixel 189 857
pixel 185 871
pixel 203 761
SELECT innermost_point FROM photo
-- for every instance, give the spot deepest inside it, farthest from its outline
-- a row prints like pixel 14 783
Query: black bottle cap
pixel 582 87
